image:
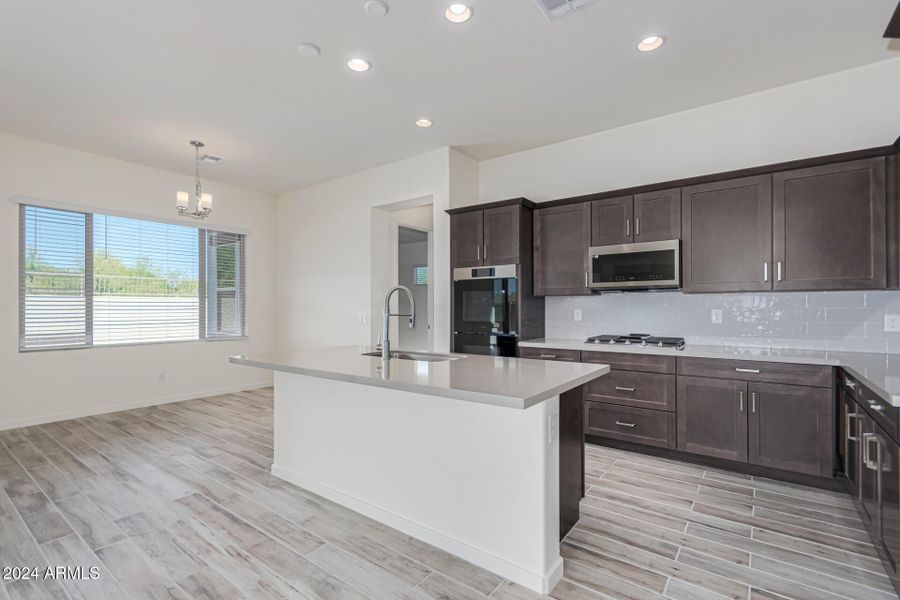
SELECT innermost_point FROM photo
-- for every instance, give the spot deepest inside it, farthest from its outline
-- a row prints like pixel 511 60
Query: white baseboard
pixel 541 583
pixel 99 410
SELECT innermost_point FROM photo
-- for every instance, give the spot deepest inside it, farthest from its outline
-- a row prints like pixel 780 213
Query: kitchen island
pixel 480 456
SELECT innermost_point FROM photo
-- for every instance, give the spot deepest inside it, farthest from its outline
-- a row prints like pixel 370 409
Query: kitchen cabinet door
pixel 712 417
pixel 501 235
pixel 562 236
pixel 829 227
pixel 792 428
pixel 868 477
pixel 657 216
pixel 726 229
pixel 466 239
pixel 611 221
pixel 890 499
pixel 852 453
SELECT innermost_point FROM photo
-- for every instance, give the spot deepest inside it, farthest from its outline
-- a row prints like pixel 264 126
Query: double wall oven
pixel 485 313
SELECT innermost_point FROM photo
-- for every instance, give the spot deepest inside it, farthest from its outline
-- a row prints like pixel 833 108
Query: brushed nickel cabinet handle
pixel 766 271
pixel 623 424
pixel 741 400
pixel 478 251
pixel 740 370
pixel 587 283
pixel 753 402
pixel 849 426
pixel 779 271
pixel 627 227
pixel 625 389
pixel 485 251
pixel 548 356
pixel 637 226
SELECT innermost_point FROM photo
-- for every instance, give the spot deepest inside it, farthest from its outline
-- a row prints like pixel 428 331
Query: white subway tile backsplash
pixel 815 320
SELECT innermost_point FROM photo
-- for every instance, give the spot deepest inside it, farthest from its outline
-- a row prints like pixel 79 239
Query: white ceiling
pixel 136 80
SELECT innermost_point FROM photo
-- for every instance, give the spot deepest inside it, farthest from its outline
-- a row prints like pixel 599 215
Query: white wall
pixel 46 386
pixel 325 243
pixel 844 111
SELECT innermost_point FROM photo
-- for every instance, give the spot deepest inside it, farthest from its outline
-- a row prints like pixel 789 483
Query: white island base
pixel 476 480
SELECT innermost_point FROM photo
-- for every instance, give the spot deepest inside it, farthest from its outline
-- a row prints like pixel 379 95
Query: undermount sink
pixel 422 356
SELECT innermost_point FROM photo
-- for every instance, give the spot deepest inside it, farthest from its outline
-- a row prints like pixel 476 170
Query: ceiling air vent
pixel 557 8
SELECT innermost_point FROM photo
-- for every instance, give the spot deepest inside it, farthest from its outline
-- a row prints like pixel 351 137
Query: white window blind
pixel 225 312
pixel 54 276
pixel 146 281
pixel 96 280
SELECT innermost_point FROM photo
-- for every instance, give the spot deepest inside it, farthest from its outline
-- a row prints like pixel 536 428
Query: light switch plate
pixel 715 316
pixel 577 314
pixel 892 323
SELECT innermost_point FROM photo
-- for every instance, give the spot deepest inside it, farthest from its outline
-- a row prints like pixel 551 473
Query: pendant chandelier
pixel 202 200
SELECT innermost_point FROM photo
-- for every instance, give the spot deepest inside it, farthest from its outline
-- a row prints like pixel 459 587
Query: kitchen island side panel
pixel 479 481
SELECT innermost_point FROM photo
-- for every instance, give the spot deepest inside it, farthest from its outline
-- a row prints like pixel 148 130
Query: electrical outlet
pixel 715 316
pixel 577 314
pixel 161 377
pixel 892 323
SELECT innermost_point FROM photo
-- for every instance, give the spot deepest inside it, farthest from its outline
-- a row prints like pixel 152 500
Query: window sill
pixel 234 338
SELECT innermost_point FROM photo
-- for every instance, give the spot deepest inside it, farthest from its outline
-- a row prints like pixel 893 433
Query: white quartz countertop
pixel 510 382
pixel 879 372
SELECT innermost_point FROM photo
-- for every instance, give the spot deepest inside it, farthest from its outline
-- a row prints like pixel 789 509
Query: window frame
pixel 89 282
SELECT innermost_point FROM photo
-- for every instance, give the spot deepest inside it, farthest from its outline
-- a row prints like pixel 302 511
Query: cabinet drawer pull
pixel 625 389
pixel 740 370
pixel 548 356
pixel 623 424
pixel 849 426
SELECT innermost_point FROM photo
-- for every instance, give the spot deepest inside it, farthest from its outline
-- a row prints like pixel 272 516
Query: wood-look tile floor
pixel 176 501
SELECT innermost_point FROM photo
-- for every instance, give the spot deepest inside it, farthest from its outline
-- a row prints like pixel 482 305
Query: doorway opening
pixel 414 271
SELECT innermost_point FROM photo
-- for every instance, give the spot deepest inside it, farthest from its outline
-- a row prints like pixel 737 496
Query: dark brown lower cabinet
pixel 852 451
pixel 712 417
pixel 791 428
pixel 571 458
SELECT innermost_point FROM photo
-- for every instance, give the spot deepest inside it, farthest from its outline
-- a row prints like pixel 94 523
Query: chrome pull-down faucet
pixel 385 332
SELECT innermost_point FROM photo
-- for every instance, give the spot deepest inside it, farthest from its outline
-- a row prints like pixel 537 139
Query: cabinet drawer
pixel 878 409
pixel 762 371
pixel 623 361
pixel 639 425
pixel 550 354
pixel 633 388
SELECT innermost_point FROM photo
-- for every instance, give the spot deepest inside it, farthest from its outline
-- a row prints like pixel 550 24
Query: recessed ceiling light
pixel 358 64
pixel 309 50
pixel 376 8
pixel 650 43
pixel 424 123
pixel 458 13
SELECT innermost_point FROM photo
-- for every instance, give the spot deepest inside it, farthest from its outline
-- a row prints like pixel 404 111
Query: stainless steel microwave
pixel 645 265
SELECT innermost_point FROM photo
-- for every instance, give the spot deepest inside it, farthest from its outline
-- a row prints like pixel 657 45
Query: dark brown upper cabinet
pixel 657 215
pixel 486 237
pixel 727 235
pixel 611 221
pixel 792 428
pixel 466 239
pixel 712 417
pixel 647 217
pixel 829 227
pixel 501 235
pixel 562 235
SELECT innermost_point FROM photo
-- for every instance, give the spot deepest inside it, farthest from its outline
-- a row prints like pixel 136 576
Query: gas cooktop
pixel 638 339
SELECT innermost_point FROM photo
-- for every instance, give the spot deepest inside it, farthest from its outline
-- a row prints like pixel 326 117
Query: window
pixel 420 275
pixel 98 280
